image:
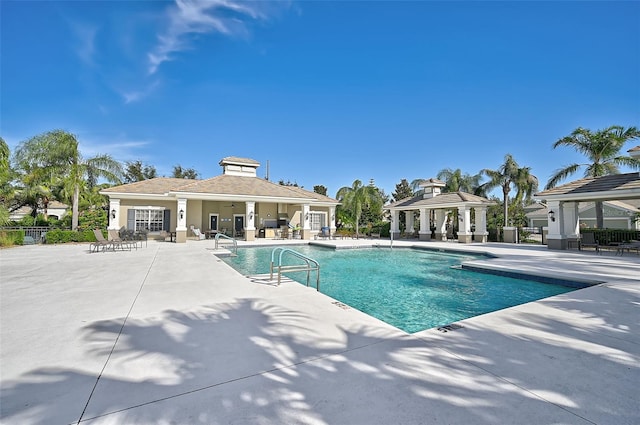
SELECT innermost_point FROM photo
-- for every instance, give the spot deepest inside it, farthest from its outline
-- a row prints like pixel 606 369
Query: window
pixel 317 220
pixel 149 219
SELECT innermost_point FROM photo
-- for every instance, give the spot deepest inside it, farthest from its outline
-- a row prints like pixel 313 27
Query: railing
pixel 608 236
pixel 223 236
pixel 310 264
pixel 38 233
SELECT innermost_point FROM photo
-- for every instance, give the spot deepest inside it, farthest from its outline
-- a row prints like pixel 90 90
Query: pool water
pixel 411 289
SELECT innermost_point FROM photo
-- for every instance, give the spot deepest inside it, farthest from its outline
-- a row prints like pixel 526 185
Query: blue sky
pixel 326 92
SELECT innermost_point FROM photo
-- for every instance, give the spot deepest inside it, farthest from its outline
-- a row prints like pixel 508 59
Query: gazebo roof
pixel 444 200
pixel 615 186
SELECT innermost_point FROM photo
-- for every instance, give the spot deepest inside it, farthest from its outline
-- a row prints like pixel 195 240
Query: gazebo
pixel 562 203
pixel 439 205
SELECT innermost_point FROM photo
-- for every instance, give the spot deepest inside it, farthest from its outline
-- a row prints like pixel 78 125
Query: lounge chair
pixel 100 243
pixel 118 242
pixel 196 231
pixel 588 240
pixel 325 233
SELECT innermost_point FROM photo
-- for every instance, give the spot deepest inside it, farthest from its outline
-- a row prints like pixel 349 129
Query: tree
pixel 58 155
pixel 357 197
pixel 322 190
pixel 509 173
pixel 287 183
pixel 184 173
pixel 5 181
pixel 403 191
pixel 456 181
pixel 137 171
pixel 602 149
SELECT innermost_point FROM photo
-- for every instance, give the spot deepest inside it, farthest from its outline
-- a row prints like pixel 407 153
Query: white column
pixel 409 221
pixel 114 222
pixel 250 208
pixel 182 215
pixel 332 219
pixel 556 239
pixel 481 224
pixel 570 219
pixel 441 225
pixel 306 223
pixel 425 227
pixel 395 221
pixel 464 225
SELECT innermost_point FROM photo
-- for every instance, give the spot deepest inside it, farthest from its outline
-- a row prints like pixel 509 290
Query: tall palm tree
pixel 57 152
pixel 507 175
pixel 602 149
pixel 357 197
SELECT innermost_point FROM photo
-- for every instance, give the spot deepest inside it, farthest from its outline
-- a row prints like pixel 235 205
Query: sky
pixel 321 92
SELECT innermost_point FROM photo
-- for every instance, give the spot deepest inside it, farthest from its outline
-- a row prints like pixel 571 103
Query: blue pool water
pixel 410 289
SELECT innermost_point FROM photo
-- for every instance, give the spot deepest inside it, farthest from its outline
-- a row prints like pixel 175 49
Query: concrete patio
pixel 169 334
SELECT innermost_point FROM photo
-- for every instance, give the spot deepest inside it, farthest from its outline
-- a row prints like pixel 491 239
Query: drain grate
pixel 450 327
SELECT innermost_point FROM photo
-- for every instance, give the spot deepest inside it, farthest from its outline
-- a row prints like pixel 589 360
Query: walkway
pixel 170 334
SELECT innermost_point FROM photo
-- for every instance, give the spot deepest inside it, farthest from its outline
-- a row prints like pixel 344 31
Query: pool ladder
pixel 309 265
pixel 235 243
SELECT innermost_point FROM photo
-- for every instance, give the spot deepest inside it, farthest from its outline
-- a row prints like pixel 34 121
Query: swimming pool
pixel 411 289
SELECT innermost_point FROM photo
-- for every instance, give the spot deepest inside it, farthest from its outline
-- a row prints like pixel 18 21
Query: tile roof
pixel 615 182
pixel 219 185
pixel 449 198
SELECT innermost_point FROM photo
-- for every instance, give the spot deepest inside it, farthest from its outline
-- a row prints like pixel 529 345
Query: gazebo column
pixel 425 225
pixel 570 216
pixel 556 239
pixel 464 226
pixel 481 224
pixel 181 228
pixel 409 221
pixel 395 224
pixel 441 225
pixel 250 227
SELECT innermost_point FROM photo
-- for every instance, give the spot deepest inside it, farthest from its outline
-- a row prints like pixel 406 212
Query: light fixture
pixel 333 217
pixel 306 216
pixel 181 214
pixel 251 215
pixel 552 215
pixel 461 218
pixel 113 213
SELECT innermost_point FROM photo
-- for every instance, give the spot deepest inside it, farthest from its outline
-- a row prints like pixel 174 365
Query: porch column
pixel 181 228
pixel 332 220
pixel 556 239
pixel 464 226
pixel 441 225
pixel 425 225
pixel 114 214
pixel 305 233
pixel 395 223
pixel 481 224
pixel 571 223
pixel 250 227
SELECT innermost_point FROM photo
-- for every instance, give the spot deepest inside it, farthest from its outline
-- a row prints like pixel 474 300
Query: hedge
pixel 11 237
pixel 65 236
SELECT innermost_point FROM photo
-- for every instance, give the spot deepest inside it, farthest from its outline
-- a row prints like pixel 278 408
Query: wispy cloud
pixel 121 149
pixel 85 41
pixel 189 17
pixel 136 95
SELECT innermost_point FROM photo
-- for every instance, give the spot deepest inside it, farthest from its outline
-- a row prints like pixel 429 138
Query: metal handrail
pixel 222 235
pixel 310 264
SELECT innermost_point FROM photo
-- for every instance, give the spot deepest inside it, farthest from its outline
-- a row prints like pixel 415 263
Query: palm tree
pixel 456 181
pixel 510 173
pixel 357 197
pixel 58 152
pixel 602 149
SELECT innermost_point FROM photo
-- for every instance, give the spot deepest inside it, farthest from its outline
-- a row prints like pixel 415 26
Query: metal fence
pixel 38 233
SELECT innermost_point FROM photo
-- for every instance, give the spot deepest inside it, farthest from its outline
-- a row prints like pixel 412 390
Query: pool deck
pixel 169 334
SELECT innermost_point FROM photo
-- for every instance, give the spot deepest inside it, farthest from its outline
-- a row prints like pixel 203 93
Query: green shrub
pixel 11 237
pixel 65 236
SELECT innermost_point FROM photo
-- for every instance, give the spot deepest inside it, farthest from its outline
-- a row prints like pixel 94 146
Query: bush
pixel 11 237
pixel 66 236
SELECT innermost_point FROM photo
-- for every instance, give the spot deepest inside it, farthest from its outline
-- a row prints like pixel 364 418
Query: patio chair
pixel 198 234
pixel 325 233
pixel 100 243
pixel 589 240
pixel 117 241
